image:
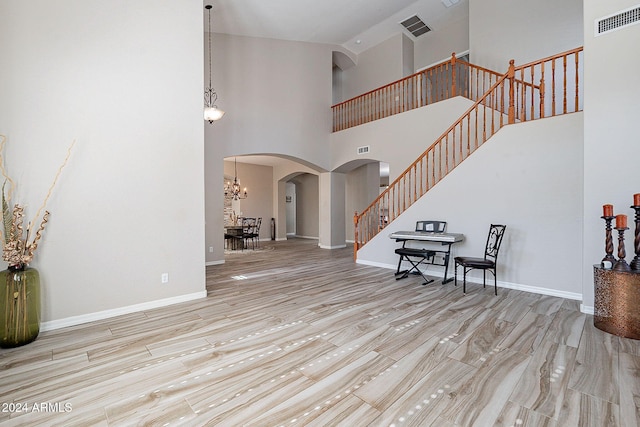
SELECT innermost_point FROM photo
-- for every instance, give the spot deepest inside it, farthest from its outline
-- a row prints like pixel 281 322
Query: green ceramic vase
pixel 20 309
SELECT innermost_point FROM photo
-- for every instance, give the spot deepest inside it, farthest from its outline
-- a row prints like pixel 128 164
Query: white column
pixel 331 228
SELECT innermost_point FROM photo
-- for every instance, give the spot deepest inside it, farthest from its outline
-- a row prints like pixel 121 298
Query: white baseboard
pixel 214 262
pixel 507 285
pixel 106 314
pixel 586 309
pixel 332 247
pixel 377 264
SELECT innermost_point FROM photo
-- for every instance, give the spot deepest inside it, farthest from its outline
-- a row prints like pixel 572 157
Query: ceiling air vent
pixel 618 20
pixel 364 149
pixel 415 26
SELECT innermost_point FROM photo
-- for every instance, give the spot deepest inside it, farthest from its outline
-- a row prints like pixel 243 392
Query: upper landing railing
pixel 451 78
pixel 545 88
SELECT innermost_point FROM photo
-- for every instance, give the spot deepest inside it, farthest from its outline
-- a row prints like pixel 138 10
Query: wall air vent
pixel 415 26
pixel 618 20
pixel 364 149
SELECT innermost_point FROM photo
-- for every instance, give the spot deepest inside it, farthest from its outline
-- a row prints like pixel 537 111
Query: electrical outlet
pixel 210 248
pixel 164 278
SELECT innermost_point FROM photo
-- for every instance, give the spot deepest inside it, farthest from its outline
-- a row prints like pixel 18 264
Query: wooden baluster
pixel 374 110
pixel 414 187
pixel 392 203
pixel 532 101
pixel 577 96
pixel 542 89
pixel 422 175
pixel 404 193
pixel 542 98
pixel 484 122
pixel 553 87
pixel 468 134
pixel 564 98
pixel 523 98
pixel 453 74
pixel 511 78
pixel 356 245
pixel 502 103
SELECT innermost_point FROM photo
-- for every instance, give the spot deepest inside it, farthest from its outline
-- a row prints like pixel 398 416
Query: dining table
pixel 233 233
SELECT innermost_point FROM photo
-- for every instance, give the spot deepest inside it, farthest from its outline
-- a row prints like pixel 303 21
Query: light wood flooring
pixel 295 335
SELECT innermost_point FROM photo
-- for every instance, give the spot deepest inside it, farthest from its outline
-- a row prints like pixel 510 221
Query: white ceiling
pixel 339 22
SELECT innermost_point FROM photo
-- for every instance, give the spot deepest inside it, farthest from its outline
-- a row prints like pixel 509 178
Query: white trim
pixel 306 237
pixel 587 309
pixel 331 247
pixel 106 314
pixel 214 263
pixel 376 264
pixel 458 55
pixel 507 285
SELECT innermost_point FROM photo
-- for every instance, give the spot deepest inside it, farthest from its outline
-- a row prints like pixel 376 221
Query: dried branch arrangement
pixel 19 245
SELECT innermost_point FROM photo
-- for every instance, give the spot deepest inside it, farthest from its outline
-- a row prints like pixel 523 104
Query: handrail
pixel 447 79
pixel 518 95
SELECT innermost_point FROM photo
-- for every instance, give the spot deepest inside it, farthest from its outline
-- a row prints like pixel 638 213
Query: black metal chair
pixel 248 232
pixel 256 232
pixel 489 262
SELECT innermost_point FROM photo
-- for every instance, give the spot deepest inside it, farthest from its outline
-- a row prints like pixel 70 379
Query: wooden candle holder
pixel 609 259
pixel 621 264
pixel 635 264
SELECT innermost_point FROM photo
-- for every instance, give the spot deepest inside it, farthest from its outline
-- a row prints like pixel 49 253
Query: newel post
pixel 453 74
pixel 355 231
pixel 512 102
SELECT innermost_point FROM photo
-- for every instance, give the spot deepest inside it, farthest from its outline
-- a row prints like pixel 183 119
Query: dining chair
pixel 248 229
pixel 487 263
pixel 255 235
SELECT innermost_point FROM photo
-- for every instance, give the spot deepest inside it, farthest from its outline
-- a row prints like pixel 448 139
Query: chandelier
pixel 232 190
pixel 211 111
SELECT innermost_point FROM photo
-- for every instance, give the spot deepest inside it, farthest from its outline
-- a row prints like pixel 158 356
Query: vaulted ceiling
pixel 355 24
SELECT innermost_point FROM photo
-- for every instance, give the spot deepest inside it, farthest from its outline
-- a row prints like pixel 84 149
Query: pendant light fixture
pixel 211 111
pixel 232 190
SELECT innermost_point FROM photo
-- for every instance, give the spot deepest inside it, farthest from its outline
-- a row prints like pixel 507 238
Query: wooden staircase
pixel 546 88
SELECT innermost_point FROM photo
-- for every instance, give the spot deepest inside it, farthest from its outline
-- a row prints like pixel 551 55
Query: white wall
pixel 377 66
pixel 277 95
pixel 125 81
pixel 307 205
pixel 527 176
pixel 277 98
pixel 611 143
pixel 522 30
pixel 399 139
pixel 362 187
pixel 438 45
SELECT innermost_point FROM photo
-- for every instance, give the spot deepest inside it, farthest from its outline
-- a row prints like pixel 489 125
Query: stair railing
pixel 514 97
pixel 453 77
